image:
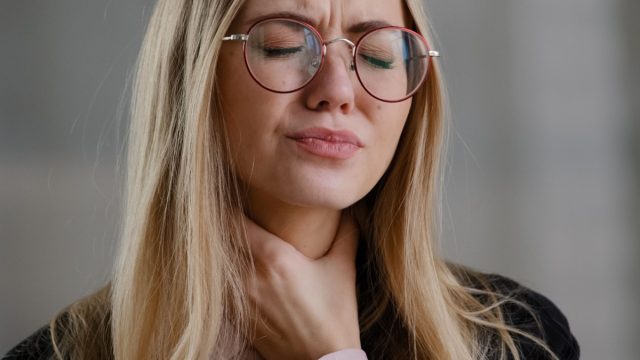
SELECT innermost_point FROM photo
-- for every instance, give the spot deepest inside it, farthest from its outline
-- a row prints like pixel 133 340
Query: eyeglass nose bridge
pixel 349 42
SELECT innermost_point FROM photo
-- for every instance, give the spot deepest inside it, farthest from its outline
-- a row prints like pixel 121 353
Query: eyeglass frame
pixel 354 47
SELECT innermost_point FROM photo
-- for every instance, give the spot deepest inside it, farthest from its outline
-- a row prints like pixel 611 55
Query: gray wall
pixel 541 178
pixel 544 167
pixel 63 69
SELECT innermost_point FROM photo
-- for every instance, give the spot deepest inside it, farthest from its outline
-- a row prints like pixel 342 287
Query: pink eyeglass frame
pixel 354 47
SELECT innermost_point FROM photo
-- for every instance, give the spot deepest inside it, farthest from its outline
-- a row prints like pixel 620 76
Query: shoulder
pixel 36 346
pixel 82 330
pixel 39 345
pixel 534 314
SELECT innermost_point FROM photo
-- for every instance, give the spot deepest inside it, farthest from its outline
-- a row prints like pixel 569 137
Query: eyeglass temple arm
pixel 432 53
pixel 244 37
pixel 236 37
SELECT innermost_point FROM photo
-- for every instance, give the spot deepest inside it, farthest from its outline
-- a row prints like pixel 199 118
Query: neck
pixel 310 230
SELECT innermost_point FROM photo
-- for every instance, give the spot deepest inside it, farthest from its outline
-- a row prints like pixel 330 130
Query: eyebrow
pixel 357 28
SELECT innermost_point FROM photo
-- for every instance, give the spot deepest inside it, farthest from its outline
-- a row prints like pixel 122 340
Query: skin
pixel 303 243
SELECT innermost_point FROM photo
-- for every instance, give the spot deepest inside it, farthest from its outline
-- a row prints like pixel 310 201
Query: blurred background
pixel 542 177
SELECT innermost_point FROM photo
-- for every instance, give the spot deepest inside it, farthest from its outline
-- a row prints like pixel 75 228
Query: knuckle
pixel 281 265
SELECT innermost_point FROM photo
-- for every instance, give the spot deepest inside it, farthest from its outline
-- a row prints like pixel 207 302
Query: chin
pixel 322 198
pixel 335 191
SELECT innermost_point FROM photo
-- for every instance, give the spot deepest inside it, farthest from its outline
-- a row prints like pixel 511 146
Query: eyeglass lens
pixel 284 55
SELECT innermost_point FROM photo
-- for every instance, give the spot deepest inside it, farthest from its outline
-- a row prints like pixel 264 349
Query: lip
pixel 334 136
pixel 337 144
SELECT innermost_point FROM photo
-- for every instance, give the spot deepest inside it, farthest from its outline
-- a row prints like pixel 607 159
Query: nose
pixel 332 89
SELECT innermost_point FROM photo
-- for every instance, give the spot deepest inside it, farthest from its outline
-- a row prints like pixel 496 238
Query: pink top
pixel 346 354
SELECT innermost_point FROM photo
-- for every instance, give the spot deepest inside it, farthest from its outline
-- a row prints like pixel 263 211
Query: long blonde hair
pixel 177 287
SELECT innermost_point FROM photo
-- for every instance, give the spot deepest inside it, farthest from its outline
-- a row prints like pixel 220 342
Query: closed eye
pixel 377 62
pixel 281 52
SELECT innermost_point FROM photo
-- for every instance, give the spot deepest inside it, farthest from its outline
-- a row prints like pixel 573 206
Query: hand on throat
pixel 310 230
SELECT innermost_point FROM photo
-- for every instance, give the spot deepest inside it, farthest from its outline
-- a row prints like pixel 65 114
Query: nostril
pixel 323 104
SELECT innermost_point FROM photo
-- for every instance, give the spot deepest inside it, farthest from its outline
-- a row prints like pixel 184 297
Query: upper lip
pixel 344 136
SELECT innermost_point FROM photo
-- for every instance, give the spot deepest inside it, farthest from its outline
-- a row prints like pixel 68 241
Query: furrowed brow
pixel 357 28
pixel 365 26
pixel 283 14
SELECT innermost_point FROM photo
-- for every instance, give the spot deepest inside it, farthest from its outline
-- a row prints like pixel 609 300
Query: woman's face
pixel 280 143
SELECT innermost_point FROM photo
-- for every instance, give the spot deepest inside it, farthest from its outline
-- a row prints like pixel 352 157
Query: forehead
pixel 327 14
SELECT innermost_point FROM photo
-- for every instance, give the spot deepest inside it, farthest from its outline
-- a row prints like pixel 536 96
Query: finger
pixel 345 244
pixel 264 246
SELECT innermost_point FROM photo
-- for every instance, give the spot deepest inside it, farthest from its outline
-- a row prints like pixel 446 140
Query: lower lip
pixel 335 150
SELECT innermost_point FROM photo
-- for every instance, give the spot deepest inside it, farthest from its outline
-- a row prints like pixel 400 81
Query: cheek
pixel 248 123
pixel 390 122
pixel 248 130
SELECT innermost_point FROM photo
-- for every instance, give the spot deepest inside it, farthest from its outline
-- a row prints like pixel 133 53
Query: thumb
pixel 345 243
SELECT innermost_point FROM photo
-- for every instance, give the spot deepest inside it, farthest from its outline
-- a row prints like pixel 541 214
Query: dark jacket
pixel 554 328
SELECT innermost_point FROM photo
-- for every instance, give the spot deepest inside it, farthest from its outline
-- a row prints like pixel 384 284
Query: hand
pixel 306 308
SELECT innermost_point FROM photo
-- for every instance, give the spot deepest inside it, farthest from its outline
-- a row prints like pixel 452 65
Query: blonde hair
pixel 177 287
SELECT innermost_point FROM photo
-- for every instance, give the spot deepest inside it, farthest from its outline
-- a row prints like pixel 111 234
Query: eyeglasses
pixel 283 55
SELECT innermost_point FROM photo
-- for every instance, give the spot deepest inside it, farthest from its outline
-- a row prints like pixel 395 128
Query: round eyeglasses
pixel 283 55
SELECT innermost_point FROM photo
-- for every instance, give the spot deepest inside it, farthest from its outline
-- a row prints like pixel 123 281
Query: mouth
pixel 327 143
pixel 328 149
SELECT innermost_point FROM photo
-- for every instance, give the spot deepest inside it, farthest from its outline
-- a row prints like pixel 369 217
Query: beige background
pixel 542 178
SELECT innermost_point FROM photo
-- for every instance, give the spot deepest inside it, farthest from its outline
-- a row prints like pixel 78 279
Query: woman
pixel 281 200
